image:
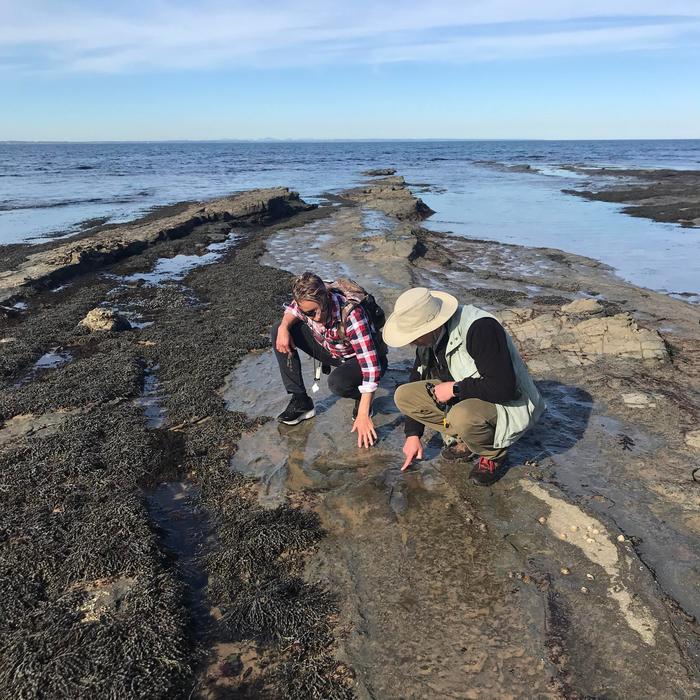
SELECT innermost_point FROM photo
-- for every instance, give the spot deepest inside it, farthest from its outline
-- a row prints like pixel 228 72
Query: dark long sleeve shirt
pixel 486 343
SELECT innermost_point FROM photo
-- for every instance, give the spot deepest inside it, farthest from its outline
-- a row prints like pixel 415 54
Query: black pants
pixel 343 381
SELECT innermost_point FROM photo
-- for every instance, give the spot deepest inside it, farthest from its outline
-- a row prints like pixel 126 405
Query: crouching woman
pixel 337 334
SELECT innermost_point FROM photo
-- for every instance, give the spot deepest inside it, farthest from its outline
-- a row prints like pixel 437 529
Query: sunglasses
pixel 310 314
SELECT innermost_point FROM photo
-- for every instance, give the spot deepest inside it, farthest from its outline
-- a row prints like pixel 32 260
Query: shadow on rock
pixel 562 425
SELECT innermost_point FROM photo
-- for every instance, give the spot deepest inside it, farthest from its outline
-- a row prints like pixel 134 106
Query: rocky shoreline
pixel 163 538
pixel 660 194
pixel 114 243
pixel 671 196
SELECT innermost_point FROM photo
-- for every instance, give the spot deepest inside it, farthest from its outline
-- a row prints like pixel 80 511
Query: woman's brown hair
pixel 310 287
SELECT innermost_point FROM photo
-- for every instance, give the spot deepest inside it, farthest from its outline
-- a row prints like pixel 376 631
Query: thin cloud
pixel 532 44
pixel 64 36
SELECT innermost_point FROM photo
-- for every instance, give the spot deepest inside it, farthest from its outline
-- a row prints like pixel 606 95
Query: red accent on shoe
pixel 487 465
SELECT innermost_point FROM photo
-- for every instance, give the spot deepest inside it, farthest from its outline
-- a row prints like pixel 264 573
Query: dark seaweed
pixel 74 524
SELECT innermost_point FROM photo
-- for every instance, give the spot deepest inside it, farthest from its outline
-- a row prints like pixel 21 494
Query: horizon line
pixel 339 140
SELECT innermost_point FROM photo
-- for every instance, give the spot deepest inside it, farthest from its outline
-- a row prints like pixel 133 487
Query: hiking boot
pixel 299 408
pixel 357 408
pixel 485 472
pixel 456 452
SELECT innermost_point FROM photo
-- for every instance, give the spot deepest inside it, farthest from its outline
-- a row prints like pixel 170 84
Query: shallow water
pixel 184 531
pixel 151 399
pixel 526 209
pixel 320 453
pixel 179 266
pixel 53 359
pixel 376 222
pixel 48 361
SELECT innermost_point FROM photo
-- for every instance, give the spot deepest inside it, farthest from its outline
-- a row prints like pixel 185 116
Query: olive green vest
pixel 514 417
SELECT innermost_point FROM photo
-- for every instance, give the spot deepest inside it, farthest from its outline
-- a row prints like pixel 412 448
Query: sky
pixel 173 69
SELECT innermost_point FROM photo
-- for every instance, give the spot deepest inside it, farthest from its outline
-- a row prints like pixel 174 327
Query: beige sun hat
pixel 417 312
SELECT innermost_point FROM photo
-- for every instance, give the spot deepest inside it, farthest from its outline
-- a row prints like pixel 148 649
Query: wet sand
pixel 184 543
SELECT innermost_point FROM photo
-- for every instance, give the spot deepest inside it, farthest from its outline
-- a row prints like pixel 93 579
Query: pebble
pixel 590 540
pixel 562 535
pixel 542 520
pixel 564 571
pixel 590 577
pixel 584 589
pixel 525 578
pixel 574 528
pixel 595 531
pixel 620 538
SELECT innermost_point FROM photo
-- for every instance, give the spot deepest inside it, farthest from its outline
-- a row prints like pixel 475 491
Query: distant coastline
pixel 419 139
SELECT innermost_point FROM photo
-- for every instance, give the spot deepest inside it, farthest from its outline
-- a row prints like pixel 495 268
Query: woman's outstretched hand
pixel 366 434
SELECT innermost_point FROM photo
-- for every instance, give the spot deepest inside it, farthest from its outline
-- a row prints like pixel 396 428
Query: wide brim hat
pixel 417 312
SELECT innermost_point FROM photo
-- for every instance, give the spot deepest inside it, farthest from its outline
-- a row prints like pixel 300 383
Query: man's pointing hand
pixel 412 449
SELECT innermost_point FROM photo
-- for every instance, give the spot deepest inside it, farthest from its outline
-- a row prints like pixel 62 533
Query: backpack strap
pixel 345 310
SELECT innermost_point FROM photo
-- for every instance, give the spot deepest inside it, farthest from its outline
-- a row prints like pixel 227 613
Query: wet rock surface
pixel 396 554
pixel 162 537
pixel 662 195
pixel 580 341
pixel 391 196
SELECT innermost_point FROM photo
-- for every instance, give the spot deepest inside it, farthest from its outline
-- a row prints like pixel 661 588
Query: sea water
pixel 50 189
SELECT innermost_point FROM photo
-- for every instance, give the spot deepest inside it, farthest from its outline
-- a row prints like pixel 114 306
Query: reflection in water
pixel 375 222
pixel 320 454
pixel 53 359
pixel 179 266
pixel 151 399
pixel 530 209
pixel 184 531
pixel 50 360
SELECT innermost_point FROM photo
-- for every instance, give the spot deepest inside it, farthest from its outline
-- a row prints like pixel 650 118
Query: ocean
pixel 49 189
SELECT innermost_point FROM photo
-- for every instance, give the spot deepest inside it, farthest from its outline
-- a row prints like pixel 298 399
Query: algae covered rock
pixel 105 320
pixel 379 172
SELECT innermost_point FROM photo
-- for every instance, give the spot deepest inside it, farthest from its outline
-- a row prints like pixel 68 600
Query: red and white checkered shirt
pixel 358 339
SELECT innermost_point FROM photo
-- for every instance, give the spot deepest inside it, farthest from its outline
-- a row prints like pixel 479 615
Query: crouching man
pixel 468 381
pixel 336 331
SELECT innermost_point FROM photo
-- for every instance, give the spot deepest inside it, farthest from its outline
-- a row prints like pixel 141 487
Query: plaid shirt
pixel 358 339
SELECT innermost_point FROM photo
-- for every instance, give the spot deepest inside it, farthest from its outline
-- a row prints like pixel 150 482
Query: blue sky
pixel 307 69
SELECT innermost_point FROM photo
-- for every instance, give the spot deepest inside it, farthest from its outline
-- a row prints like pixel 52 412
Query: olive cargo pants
pixel 473 421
